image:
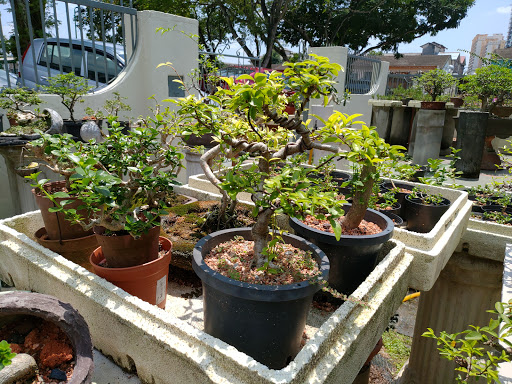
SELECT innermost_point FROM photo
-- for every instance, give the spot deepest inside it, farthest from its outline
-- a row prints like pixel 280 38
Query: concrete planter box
pixel 431 250
pixel 170 347
pixel 486 239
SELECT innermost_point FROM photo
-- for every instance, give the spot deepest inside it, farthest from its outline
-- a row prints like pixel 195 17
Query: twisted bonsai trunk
pixel 360 199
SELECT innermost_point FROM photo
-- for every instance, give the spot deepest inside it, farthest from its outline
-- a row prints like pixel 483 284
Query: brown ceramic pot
pixel 457 101
pixel 76 250
pixel 147 281
pixel 433 105
pixel 124 251
pixel 57 227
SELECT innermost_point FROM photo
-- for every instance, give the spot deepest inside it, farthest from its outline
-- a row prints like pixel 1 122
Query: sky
pixel 485 17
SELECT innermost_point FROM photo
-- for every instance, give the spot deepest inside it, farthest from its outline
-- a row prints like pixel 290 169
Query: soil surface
pixel 365 228
pixel 45 342
pixel 234 259
pixel 187 223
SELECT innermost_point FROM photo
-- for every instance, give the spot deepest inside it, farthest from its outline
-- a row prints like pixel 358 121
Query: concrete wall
pixel 357 103
pixel 138 82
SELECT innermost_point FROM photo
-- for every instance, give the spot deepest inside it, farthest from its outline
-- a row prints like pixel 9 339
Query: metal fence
pixel 50 37
pixel 399 80
pixel 362 74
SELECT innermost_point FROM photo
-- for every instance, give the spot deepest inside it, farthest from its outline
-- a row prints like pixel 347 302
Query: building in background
pixel 483 46
pixel 432 56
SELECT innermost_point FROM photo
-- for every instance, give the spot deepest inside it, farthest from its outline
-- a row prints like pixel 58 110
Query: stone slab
pixel 163 348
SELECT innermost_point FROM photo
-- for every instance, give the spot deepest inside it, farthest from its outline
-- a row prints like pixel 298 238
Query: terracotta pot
pixel 457 101
pixel 75 250
pixel 502 111
pixel 61 314
pixel 124 251
pixel 433 105
pixel 147 281
pixel 57 227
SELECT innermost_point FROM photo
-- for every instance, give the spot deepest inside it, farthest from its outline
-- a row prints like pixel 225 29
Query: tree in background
pixel 22 23
pixel 264 26
pixel 355 23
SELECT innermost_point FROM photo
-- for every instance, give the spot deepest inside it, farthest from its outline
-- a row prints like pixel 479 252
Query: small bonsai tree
pixel 16 101
pixel 70 88
pixel 112 107
pixel 435 82
pixel 492 85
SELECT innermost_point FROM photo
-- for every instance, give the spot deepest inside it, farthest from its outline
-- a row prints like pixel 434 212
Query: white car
pixel 97 65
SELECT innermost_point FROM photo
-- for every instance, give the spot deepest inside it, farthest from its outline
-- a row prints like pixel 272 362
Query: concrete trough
pixel 169 346
pixel 431 250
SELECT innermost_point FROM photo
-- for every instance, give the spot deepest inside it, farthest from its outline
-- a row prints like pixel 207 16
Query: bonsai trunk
pixel 360 200
pixel 260 236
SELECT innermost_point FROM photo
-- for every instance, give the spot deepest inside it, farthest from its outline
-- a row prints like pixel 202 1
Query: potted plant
pixel 24 122
pixel 112 107
pixel 71 89
pixel 121 183
pixel 434 83
pixel 353 256
pixel 258 286
pixel 424 209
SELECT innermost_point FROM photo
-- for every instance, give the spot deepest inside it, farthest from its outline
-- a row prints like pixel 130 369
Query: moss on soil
pixel 183 226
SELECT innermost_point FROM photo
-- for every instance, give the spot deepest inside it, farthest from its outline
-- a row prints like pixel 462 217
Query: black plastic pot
pixel 266 322
pixel 496 208
pixel 396 208
pixel 352 258
pixel 421 217
pixel 419 173
pixel 397 220
pixel 73 128
pixel 400 196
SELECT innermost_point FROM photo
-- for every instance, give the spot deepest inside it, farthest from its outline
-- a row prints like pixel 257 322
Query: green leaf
pixel 60 195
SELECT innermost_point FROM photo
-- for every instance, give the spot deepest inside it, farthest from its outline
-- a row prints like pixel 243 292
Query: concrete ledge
pixel 164 349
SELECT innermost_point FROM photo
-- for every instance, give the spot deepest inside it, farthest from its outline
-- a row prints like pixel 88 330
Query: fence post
pixel 336 55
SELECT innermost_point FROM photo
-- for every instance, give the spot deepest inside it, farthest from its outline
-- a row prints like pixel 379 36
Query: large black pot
pixel 352 258
pixel 421 217
pixel 266 322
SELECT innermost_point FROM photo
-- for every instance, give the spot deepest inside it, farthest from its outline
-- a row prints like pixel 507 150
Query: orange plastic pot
pixel 147 281
pixel 125 251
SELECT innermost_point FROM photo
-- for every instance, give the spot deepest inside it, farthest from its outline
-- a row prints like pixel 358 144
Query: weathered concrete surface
pixel 165 349
pixel 429 133
pixel 471 133
pixel 467 287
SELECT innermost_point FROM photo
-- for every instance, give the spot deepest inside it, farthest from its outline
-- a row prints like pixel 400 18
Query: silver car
pixel 94 63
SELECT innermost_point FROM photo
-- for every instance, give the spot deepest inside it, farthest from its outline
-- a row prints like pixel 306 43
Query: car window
pixel 96 63
pixel 69 58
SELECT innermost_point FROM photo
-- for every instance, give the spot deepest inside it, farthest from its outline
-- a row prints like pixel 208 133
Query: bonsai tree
pixel 240 118
pixel 492 85
pixel 16 101
pixel 53 152
pixel 435 82
pixel 112 107
pixel 70 88
pixel 121 181
pixel 366 151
